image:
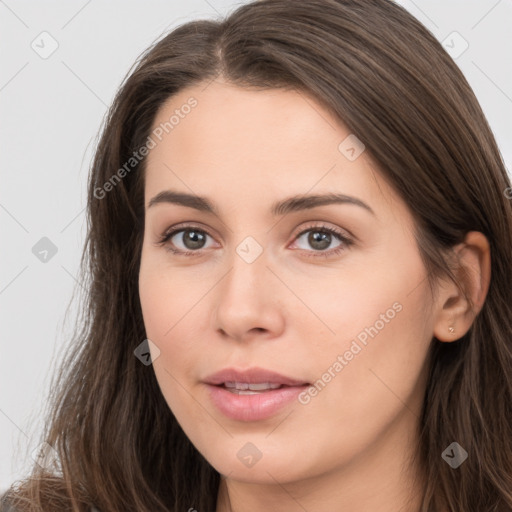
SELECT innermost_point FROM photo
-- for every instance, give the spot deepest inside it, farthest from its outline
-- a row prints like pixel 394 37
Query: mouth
pixel 254 394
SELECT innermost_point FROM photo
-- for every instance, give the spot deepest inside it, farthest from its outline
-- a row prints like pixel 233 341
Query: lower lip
pixel 253 407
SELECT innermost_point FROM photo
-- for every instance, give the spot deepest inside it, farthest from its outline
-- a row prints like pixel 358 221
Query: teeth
pixel 243 386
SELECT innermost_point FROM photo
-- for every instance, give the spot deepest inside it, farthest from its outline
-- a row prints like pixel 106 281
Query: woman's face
pixel 278 289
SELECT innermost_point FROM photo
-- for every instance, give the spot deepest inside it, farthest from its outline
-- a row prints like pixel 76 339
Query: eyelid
pixel 185 225
pixel 309 225
pixel 320 224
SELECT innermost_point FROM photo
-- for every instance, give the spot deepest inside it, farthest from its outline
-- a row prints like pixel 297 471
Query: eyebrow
pixel 291 204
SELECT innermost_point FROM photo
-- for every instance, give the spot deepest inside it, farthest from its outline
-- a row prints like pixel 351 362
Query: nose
pixel 249 301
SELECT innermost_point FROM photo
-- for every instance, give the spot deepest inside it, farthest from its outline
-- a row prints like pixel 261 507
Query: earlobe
pixel 456 309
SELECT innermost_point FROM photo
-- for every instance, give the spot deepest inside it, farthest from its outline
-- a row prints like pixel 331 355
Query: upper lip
pixel 252 375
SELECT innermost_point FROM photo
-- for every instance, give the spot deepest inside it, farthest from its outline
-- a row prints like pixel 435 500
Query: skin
pixel 293 314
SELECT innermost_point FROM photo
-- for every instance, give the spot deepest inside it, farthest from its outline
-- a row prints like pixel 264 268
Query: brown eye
pixel 318 241
pixel 185 240
pixel 192 239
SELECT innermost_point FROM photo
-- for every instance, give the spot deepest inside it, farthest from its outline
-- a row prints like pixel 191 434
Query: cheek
pixel 169 297
pixel 372 365
pixel 169 307
pixel 379 379
pixel 381 296
pixel 154 301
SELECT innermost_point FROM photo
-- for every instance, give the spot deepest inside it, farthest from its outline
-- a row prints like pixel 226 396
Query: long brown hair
pixel 389 80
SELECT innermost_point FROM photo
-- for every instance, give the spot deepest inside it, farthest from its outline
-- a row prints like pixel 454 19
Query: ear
pixel 456 311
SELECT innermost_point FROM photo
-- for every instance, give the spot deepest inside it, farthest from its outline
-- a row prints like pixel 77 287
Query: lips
pixel 254 394
pixel 252 376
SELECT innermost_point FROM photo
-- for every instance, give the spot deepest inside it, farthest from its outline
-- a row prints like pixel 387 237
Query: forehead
pixel 228 118
pixel 253 143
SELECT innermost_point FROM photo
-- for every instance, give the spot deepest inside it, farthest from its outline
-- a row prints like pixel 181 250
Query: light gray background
pixel 51 109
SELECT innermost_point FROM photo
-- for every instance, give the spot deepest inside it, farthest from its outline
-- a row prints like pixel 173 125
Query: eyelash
pixel 345 241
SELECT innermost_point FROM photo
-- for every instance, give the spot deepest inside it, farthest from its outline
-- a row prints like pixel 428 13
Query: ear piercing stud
pixel 451 329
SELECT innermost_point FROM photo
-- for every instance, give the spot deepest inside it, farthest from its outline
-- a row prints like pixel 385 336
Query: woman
pixel 299 249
